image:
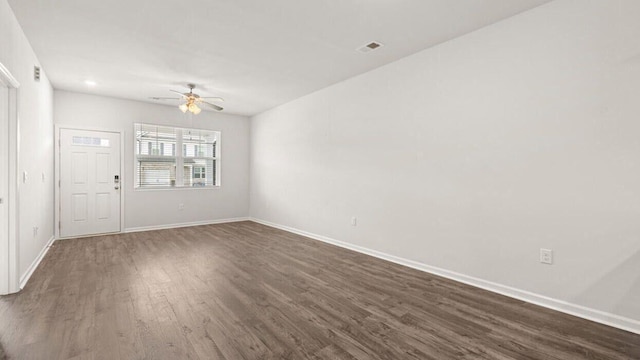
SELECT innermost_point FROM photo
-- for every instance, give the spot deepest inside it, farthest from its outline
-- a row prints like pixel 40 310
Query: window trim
pixel 180 160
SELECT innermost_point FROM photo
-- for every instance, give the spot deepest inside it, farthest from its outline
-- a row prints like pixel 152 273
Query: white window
pixel 170 157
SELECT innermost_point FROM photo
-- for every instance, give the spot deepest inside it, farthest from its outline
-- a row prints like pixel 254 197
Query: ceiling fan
pixel 192 100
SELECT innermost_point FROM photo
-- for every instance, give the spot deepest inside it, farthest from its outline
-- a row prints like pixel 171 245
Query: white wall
pixel 35 102
pixel 473 155
pixel 152 208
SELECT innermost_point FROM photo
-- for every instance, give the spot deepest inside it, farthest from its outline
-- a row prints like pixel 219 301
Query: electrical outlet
pixel 180 206
pixel 546 256
pixel 354 221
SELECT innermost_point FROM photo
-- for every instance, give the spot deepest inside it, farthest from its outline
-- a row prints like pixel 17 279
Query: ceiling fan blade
pixel 212 105
pixel 214 98
pixel 179 93
pixel 164 98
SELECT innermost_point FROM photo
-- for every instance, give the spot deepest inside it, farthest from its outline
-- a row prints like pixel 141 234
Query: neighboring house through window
pixel 170 157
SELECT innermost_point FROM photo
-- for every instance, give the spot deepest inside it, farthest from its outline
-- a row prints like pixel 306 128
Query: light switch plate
pixel 546 256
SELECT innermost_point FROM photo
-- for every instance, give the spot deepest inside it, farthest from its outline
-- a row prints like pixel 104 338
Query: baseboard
pixel 187 224
pixel 598 316
pixel 34 265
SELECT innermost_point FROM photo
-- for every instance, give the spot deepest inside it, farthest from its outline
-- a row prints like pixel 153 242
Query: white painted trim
pixel 14 192
pixel 123 136
pixel 7 79
pixel 56 171
pixel 56 181
pixel 188 224
pixel 598 316
pixel 4 194
pixel 161 227
pixel 88 235
pixel 34 265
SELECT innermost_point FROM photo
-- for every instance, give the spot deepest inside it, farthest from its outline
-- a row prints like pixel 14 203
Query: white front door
pixel 90 182
pixel 4 189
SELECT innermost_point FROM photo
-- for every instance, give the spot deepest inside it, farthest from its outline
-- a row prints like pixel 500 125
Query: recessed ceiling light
pixel 370 46
pixel 90 83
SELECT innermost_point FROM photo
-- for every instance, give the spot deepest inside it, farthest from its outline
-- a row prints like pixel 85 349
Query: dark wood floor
pixel 247 291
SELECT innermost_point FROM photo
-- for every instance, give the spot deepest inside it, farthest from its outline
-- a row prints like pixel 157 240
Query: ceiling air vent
pixel 36 73
pixel 370 47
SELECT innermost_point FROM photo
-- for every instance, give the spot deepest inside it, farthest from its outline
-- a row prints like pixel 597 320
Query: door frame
pixel 57 202
pixel 13 241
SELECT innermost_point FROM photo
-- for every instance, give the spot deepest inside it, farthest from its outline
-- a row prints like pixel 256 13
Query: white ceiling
pixel 256 54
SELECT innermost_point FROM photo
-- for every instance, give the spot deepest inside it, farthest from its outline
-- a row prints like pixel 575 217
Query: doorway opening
pixel 8 184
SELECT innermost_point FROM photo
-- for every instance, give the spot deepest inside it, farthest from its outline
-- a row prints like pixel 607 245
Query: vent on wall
pixel 370 47
pixel 36 73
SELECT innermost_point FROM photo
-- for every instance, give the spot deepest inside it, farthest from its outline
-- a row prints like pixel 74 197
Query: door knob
pixel 116 187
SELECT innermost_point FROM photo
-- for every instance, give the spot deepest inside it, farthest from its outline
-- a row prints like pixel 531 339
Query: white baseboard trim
pixel 598 316
pixel 34 265
pixel 187 224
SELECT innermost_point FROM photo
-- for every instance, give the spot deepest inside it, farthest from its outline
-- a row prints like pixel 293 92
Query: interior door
pixel 4 189
pixel 89 182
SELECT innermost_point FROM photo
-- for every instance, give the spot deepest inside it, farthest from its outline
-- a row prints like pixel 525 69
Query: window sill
pixel 178 188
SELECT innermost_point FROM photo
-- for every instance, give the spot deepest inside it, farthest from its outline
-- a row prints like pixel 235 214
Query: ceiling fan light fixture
pixel 192 100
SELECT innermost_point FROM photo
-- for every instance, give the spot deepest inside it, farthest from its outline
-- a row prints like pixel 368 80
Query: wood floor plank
pixel 247 291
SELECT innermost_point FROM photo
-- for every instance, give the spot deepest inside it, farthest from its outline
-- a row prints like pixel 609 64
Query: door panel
pixel 79 202
pixel 103 206
pixel 79 166
pixel 103 169
pixel 89 196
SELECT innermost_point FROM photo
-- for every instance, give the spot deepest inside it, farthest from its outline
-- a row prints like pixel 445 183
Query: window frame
pixel 180 160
